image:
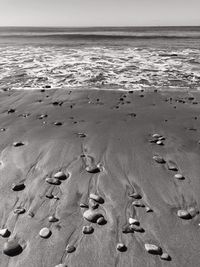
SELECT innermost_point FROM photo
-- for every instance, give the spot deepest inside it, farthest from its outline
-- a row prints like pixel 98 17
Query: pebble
pixel 136 228
pixel 94 169
pixel 183 214
pixel 133 221
pixel 138 203
pixel 156 135
pixel 4 232
pixel 172 165
pixel 165 256
pixel 81 135
pixel 160 143
pixel 45 232
pixel 148 209
pixel 61 265
pixel 57 123
pixel 88 230
pixel 93 204
pixel 83 205
pixel 193 212
pixel 53 219
pixel 53 181
pixel 179 176
pixel 2 129
pixel 121 247
pixel 96 198
pixel 153 249
pixel 11 110
pixel 19 210
pixel 70 249
pixel 91 215
pixel 42 116
pixel 101 221
pixel 12 248
pixel 159 159
pixel 18 186
pixel 127 229
pixel 49 195
pixel 135 195
pixel 17 144
pixel 61 175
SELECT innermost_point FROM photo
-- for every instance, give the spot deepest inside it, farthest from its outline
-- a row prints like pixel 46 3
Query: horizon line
pixel 138 26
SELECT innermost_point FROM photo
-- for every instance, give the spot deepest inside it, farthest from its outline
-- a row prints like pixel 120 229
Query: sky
pixel 80 13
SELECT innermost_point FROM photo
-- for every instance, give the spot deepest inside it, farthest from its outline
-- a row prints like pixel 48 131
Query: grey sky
pixel 99 12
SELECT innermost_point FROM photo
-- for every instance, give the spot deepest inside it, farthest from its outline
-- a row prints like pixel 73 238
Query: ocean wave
pixel 36 67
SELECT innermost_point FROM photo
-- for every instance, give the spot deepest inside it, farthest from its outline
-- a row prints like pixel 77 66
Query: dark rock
pixel 70 249
pixel 83 205
pixel 101 221
pixel 153 249
pixel 88 230
pixel 92 169
pixel 93 205
pixel 96 198
pixel 11 110
pixel 172 165
pixel 17 144
pixel 53 181
pixel 12 248
pixel 184 214
pixel 4 232
pixel 121 247
pixel 19 210
pixel 53 219
pixel 57 123
pixel 159 159
pixel 135 195
pixel 18 186
pixel 165 256
pixel 61 175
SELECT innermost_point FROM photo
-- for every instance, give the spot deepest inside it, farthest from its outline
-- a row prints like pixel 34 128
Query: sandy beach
pixel 99 178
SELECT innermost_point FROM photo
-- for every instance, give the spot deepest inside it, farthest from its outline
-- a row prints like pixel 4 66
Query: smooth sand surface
pixel 103 142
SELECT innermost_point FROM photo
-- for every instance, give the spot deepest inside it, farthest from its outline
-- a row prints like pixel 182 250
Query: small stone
pixel 138 203
pixel 193 211
pixel 11 110
pixel 160 143
pixel 61 175
pixel 88 230
pixel 153 249
pixel 93 204
pixel 148 209
pixel 127 229
pixel 2 129
pixel 133 221
pixel 93 169
pixel 61 265
pixel 17 144
pixel 4 232
pixel 101 221
pixel 53 181
pixel 136 228
pixel 53 219
pixel 96 198
pixel 83 205
pixel 91 215
pixel 81 135
pixel 57 123
pixel 121 247
pixel 165 256
pixel 12 248
pixel 172 165
pixel 156 135
pixel 19 210
pixel 49 195
pixel 18 186
pixel 179 176
pixel 31 214
pixel 135 195
pixel 42 116
pixel 159 159
pixel 45 232
pixel 183 214
pixel 70 249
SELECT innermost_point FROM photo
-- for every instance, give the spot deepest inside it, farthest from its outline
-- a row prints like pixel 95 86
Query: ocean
pixel 120 58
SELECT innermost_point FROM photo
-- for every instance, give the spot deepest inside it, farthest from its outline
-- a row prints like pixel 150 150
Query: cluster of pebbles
pixel 190 212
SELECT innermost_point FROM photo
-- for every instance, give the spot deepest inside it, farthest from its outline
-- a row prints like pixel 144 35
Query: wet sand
pixel 99 178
